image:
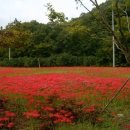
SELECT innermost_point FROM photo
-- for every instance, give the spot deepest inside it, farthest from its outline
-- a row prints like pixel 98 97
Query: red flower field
pixel 56 95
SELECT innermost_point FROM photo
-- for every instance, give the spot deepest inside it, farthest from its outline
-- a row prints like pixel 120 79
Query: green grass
pixel 87 126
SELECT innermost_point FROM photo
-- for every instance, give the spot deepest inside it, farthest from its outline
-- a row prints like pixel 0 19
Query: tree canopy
pixel 122 33
pixel 81 41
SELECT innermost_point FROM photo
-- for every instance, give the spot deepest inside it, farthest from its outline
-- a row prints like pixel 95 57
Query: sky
pixel 27 10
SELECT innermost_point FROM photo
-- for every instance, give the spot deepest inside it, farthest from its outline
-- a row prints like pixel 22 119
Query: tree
pixel 14 35
pixel 121 35
pixel 76 39
pixel 57 17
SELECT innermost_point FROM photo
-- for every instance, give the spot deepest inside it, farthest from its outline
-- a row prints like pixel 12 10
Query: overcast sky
pixel 27 10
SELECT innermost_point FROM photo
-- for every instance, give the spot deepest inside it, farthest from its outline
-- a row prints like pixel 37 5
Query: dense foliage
pixel 80 41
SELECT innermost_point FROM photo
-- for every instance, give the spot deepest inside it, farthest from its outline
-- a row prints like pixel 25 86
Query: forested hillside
pixel 82 41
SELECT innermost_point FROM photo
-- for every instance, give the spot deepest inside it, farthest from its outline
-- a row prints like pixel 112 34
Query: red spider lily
pixel 10 125
pixel 4 119
pixel 32 114
pixel 59 118
pixel 9 114
pixel 81 103
pixel 68 114
pixel 63 111
pixel 49 109
pixel 127 127
pixel 89 109
pixel 56 90
pixel 1 125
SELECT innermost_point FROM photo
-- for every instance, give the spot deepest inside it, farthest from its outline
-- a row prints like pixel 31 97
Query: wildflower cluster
pixel 58 98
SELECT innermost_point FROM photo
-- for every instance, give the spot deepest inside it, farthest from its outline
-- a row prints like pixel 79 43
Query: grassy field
pixel 64 98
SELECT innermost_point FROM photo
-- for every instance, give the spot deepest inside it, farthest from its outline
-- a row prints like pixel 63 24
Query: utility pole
pixel 9 48
pixel 9 54
pixel 113 40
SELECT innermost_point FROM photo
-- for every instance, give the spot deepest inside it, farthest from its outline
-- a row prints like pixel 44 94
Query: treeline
pixel 82 41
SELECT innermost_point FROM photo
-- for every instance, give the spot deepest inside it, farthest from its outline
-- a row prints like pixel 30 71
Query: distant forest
pixel 82 41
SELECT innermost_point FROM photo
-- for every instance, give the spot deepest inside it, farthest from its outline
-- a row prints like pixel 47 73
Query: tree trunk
pixel 127 56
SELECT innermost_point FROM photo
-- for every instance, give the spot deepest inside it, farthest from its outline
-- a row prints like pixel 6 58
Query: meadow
pixel 64 98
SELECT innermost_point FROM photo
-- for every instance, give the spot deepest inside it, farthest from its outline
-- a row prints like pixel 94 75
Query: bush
pixel 30 62
pixel 64 59
pixel 89 61
pixel 18 62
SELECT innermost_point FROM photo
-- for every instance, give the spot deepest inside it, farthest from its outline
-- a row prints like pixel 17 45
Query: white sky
pixel 27 10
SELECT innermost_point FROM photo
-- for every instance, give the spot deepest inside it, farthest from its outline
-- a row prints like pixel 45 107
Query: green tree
pixel 53 16
pixel 78 39
pixel 120 35
pixel 14 35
